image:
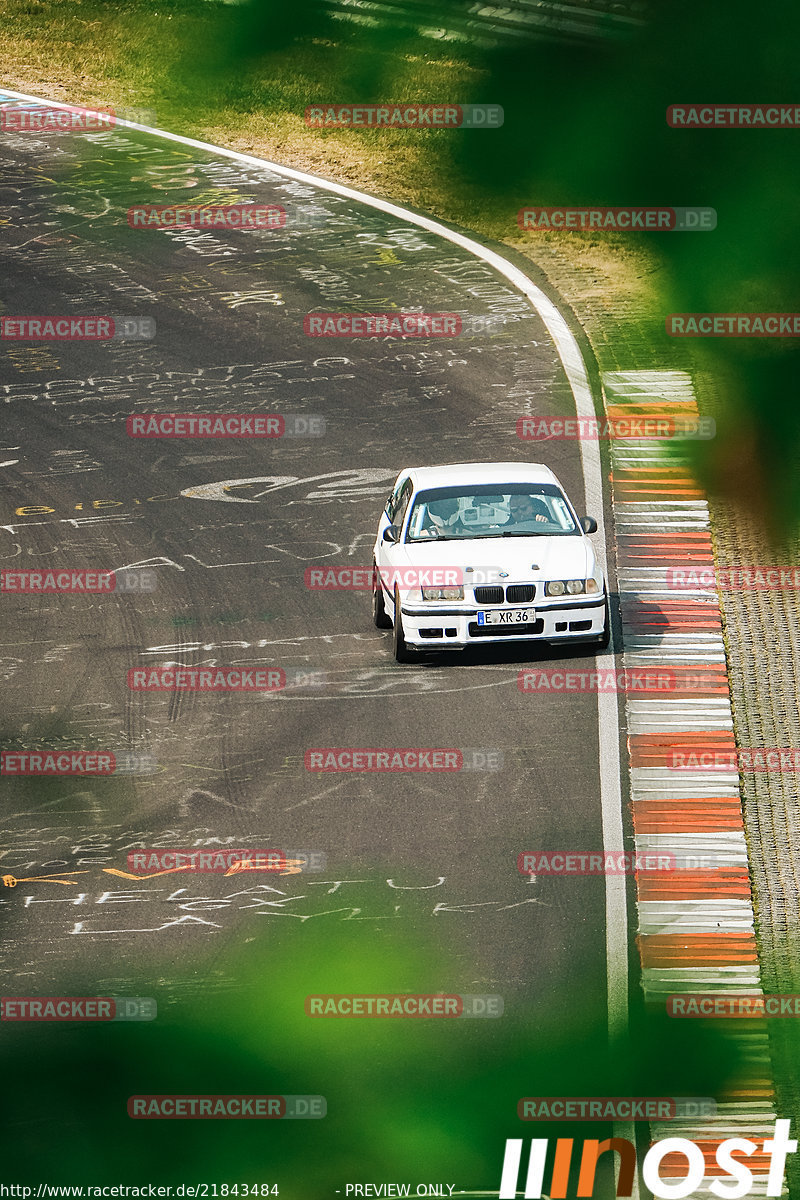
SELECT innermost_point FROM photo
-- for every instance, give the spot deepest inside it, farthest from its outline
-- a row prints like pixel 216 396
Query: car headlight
pixel 573 587
pixel 443 593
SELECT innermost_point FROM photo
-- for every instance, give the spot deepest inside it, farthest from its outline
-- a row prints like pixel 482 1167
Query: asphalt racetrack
pixel 225 529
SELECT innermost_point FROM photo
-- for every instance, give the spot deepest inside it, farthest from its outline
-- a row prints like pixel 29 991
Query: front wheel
pixel 402 654
pixel 379 614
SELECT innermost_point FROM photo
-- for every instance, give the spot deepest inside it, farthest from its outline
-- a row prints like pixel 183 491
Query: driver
pixel 525 509
pixel 443 513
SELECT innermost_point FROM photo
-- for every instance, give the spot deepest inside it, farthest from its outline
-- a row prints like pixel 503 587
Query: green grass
pixel 207 73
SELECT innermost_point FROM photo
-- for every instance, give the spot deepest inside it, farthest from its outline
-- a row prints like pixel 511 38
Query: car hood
pixel 561 557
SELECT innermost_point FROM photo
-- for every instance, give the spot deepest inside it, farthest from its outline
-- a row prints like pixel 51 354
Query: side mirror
pixel 392 534
pixel 588 525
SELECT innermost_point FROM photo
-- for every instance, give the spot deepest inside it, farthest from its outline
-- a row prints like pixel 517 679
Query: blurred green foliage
pixel 413 1100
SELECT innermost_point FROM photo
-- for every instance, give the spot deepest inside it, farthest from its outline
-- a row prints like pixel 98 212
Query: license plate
pixel 511 616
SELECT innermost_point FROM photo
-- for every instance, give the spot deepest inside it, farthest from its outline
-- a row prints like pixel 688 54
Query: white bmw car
pixel 485 552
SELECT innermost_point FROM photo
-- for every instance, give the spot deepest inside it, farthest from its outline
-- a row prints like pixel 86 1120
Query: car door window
pixel 394 499
pixel 402 504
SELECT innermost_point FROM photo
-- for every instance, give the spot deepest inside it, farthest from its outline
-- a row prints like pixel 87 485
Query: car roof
pixel 481 472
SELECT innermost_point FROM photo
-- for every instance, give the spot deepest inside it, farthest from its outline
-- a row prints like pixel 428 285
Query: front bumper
pixel 455 626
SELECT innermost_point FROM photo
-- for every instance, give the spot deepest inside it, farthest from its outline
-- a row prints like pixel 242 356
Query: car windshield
pixel 491 510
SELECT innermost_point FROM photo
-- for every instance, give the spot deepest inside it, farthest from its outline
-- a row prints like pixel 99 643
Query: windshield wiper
pixel 527 533
pixel 420 541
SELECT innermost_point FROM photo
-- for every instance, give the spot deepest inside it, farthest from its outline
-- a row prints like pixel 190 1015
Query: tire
pixel 379 614
pixel 402 654
pixel 604 640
